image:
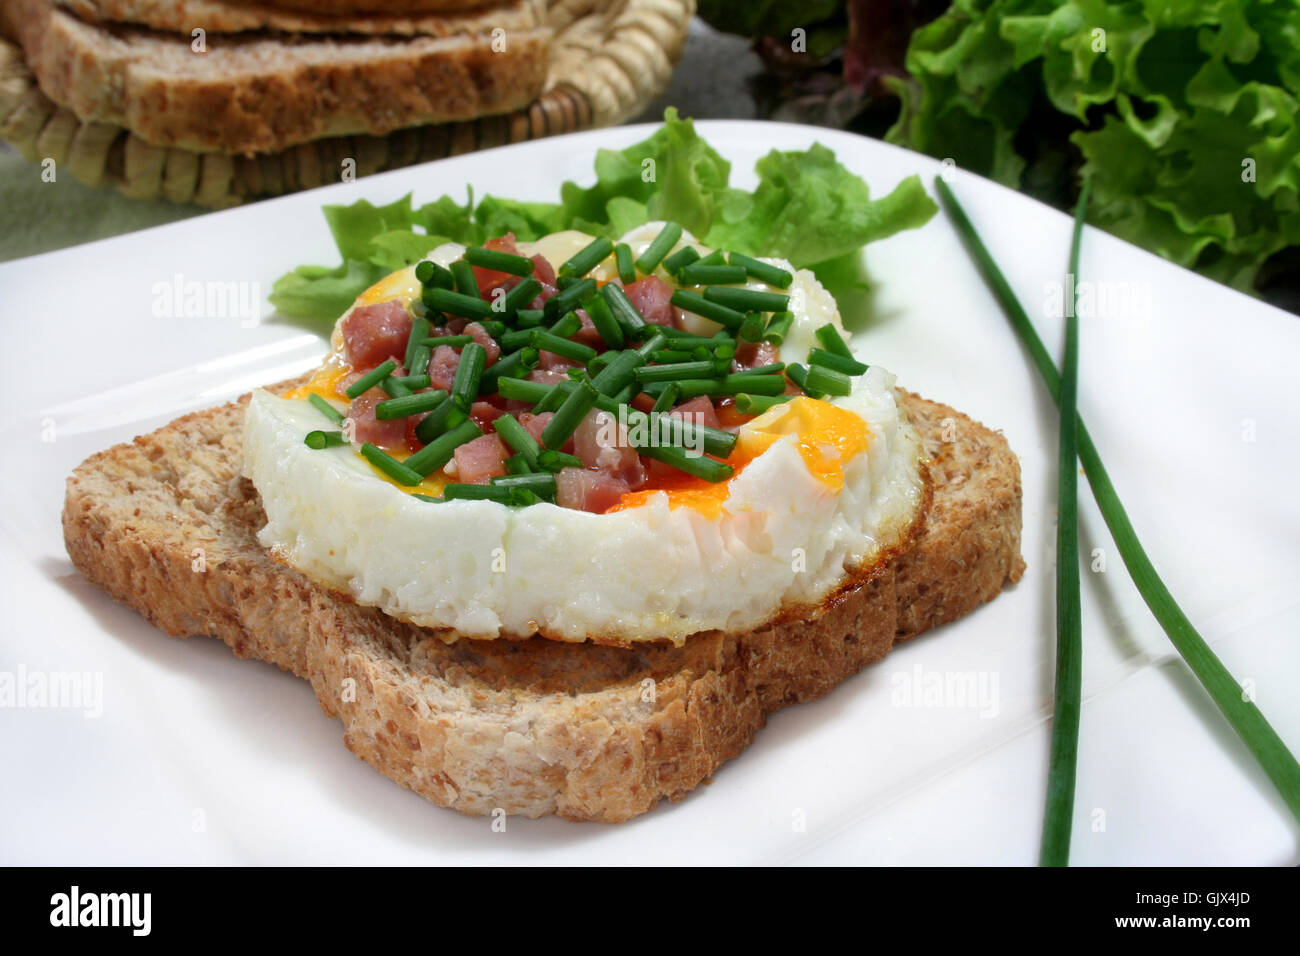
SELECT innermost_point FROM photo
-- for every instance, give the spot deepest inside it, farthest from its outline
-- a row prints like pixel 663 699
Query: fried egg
pixel 822 489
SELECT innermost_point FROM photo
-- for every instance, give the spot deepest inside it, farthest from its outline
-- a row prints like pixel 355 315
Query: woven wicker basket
pixel 609 59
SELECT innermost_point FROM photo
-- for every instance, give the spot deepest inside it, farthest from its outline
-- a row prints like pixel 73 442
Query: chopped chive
pixel 693 464
pixel 747 300
pixel 401 473
pixel 722 357
pixel 554 398
pixel 547 342
pixel 673 372
pixel 494 327
pixel 457 303
pixel 619 373
pixel 553 460
pixel 657 249
pixel 516 339
pixel 828 380
pixel 320 439
pixel 518 437
pixel 326 409
pixel 517 465
pixel 498 261
pixel 455 341
pixel 569 415
pixel 716 311
pixel 587 258
pixel 371 379
pixel 667 398
pixel 566 327
pixel 469 373
pixel 409 405
pixel 394 388
pixel 699 274
pixel 439 421
pixel 778 328
pixel 714 258
pixel 766 369
pixel 529 317
pixel 757 404
pixel 515 365
pixel 666 356
pixel 1058 815
pixel 732 385
pixel 518 297
pixel 541 484
pixel 463 492
pixel 602 317
pixel 679 430
pixel 439 451
pixel 626 265
pixel 762 271
pixel 563 282
pixel 417 353
pixel 624 311
pixel 681 338
pixel 799 375
pixel 466 283
pixel 833 342
pixel 680 259
pixel 429 273
pixel 751 330
pixel 428 498
pixel 566 300
pixel 835 361
pixel 656 342
pixel 413 382
pixel 523 390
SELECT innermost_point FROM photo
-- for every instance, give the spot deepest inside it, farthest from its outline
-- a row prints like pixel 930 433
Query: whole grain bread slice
pixel 264 92
pixel 530 727
pixel 222 16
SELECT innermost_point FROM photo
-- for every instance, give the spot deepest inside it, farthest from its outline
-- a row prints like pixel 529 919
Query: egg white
pixel 484 570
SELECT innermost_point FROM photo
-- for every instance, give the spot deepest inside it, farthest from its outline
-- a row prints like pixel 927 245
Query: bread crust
pixel 167 525
pixel 222 16
pixel 263 93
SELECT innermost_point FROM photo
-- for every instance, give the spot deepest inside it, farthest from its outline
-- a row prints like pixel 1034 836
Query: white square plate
pixel 1188 389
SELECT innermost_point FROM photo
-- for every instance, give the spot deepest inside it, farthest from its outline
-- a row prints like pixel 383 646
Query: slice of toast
pixel 222 16
pixel 167 525
pixel 264 92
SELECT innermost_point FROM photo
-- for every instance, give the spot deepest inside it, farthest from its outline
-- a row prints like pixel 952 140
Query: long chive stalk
pixel 1242 714
pixel 1058 814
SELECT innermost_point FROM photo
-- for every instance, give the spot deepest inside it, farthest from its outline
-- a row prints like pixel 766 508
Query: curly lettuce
pixel 1183 115
pixel 807 208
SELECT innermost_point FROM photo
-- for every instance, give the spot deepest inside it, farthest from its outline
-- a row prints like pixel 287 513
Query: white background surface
pixel 189 733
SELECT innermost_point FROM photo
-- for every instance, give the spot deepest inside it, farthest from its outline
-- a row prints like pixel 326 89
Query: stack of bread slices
pixel 260 76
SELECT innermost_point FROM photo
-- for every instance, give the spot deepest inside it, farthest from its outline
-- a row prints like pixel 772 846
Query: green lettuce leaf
pixel 807 208
pixel 1184 115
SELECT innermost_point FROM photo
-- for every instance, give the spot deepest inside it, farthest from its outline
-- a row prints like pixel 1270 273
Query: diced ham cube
pixel 389 434
pixel 585 490
pixel 698 410
pixel 442 367
pixel 535 424
pixel 374 333
pixel 588 335
pixel 754 355
pixel 602 445
pixel 484 413
pixel 482 337
pixel 548 376
pixel 481 459
pixel 651 297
